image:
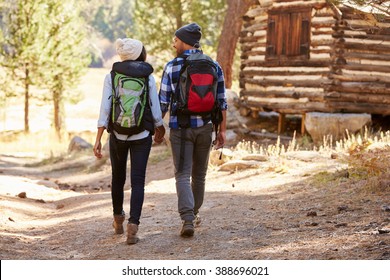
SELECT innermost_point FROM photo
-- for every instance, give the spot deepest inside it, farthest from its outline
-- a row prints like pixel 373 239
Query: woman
pixel 133 55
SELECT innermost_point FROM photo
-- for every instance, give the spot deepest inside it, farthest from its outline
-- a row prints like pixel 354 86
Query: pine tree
pixel 66 56
pixel 22 30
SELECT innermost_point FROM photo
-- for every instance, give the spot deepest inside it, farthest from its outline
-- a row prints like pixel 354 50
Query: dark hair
pixel 142 56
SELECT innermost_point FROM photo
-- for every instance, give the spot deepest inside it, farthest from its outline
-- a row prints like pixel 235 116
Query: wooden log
pixel 364 67
pixel 330 107
pixel 357 97
pixel 322 23
pixel 266 3
pixel 258 22
pixel 291 108
pixel 337 13
pixel 256 27
pixel 255 12
pixel 367 46
pixel 275 63
pixel 322 13
pixel 322 42
pixel 373 22
pixel 352 107
pixel 363 36
pixel 368 56
pixel 319 51
pixel 361 79
pixel 248 46
pixel 327 31
pixel 314 95
pixel 252 39
pixel 287 72
pixel 371 88
pixel 367 29
pixel 298 5
pixel 253 53
pixel 287 83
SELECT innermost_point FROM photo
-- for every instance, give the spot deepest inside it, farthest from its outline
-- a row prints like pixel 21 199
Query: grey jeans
pixel 190 181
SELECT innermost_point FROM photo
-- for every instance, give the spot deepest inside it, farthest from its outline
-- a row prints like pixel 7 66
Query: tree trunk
pixel 26 99
pixel 230 35
pixel 179 14
pixel 57 113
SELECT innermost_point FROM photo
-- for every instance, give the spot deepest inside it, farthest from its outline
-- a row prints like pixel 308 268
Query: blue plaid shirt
pixel 168 86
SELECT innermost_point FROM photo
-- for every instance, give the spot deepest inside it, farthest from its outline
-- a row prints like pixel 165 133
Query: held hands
pixel 159 133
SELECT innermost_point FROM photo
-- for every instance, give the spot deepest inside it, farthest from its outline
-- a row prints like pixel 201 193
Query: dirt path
pixel 273 212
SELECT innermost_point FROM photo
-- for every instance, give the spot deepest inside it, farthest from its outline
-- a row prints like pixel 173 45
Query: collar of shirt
pixel 191 51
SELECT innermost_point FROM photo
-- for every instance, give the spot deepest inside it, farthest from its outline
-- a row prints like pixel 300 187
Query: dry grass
pixel 42 142
pixel 277 149
pixel 367 155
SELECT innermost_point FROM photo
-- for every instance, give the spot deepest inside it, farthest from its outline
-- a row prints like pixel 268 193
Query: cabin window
pixel 288 34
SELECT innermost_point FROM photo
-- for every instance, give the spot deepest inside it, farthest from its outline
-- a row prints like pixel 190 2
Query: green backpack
pixel 130 102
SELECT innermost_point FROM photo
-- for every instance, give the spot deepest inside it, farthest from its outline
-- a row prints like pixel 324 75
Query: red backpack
pixel 197 87
pixel 196 94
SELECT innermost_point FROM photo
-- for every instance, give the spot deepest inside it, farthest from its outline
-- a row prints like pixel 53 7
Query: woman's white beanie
pixel 128 49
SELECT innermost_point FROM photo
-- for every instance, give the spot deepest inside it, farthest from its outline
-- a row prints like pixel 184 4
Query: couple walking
pixel 190 143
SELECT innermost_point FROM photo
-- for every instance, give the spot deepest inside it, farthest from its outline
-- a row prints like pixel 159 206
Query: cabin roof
pixel 373 7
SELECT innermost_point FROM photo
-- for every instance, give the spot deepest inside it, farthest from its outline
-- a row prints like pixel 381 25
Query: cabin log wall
pixel 347 70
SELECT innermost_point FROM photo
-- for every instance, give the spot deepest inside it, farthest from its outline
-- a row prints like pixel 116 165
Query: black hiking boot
pixel 187 229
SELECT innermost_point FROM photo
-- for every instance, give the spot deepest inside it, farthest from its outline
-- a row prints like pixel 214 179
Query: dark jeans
pixel 191 180
pixel 139 155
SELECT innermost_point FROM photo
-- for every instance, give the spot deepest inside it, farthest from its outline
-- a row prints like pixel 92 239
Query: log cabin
pixel 300 56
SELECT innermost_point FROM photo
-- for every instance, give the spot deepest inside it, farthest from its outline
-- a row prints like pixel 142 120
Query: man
pixel 191 144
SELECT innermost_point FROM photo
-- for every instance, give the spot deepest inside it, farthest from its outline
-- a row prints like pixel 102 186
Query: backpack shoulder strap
pixel 110 123
pixel 147 90
pixel 113 80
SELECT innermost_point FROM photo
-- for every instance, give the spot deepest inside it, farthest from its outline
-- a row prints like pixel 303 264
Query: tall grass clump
pixel 368 157
pixel 276 149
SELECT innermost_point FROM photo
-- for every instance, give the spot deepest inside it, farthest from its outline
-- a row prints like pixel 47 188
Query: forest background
pixel 329 203
pixel 47 46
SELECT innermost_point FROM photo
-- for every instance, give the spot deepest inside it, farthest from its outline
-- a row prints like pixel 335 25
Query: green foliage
pixel 22 23
pixel 100 21
pixel 66 55
pixel 23 27
pixel 44 46
pixel 112 19
pixel 66 47
pixel 157 22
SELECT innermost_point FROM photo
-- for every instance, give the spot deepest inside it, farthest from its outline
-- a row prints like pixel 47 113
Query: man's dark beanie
pixel 190 34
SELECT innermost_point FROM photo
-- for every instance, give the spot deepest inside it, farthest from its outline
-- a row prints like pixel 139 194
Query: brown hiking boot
pixel 187 229
pixel 132 230
pixel 117 224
